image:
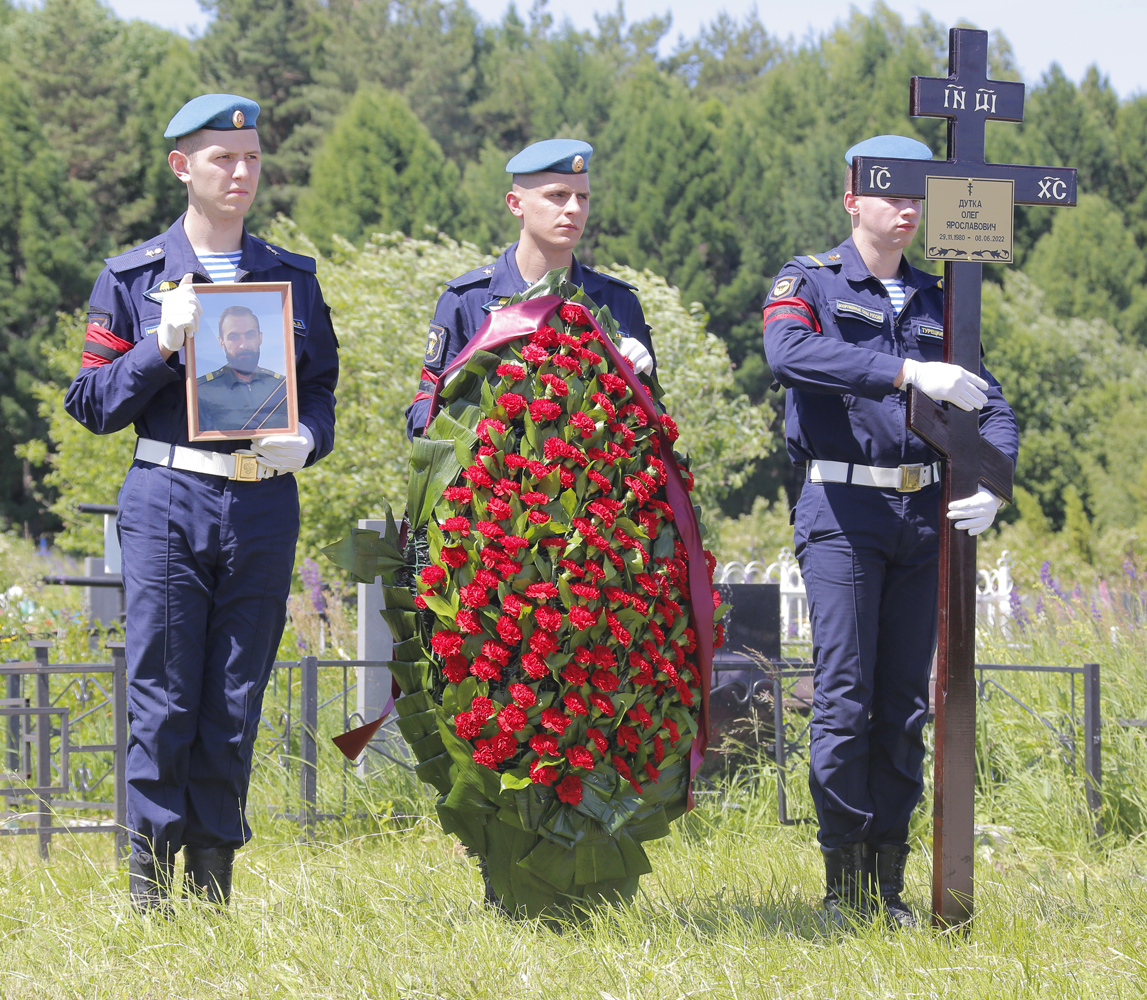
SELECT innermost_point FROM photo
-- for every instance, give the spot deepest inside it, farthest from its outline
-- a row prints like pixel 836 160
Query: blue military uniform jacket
pixel 832 340
pixel 229 403
pixel 124 380
pixel 468 299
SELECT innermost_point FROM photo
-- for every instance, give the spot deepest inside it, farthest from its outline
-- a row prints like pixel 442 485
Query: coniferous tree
pixel 378 170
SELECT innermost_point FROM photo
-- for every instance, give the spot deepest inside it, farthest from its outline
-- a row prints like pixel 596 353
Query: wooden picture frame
pixel 232 395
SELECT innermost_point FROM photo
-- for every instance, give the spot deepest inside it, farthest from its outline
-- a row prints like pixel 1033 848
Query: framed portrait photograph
pixel 241 363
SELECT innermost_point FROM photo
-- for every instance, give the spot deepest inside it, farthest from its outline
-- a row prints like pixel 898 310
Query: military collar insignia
pixel 487 271
pixel 157 291
pixel 153 252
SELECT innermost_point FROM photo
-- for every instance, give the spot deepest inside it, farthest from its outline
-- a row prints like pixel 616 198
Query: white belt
pixel 242 466
pixel 903 478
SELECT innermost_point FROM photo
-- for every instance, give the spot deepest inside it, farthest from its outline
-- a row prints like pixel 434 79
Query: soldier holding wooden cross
pixel 847 332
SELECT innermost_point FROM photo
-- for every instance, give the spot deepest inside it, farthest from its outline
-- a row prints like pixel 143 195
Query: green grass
pixel 386 906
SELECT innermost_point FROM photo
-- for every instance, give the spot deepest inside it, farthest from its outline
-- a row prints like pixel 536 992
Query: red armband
pixel 427 383
pixel 102 347
pixel 796 309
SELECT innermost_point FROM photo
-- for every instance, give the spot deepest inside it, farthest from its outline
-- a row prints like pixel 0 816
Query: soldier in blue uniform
pixel 208 531
pixel 241 395
pixel 550 198
pixel 846 332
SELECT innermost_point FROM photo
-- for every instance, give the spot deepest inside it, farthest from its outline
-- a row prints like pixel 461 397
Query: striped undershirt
pixel 895 288
pixel 222 266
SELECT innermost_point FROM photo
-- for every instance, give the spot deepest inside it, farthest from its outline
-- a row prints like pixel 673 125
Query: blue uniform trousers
pixel 869 558
pixel 207 568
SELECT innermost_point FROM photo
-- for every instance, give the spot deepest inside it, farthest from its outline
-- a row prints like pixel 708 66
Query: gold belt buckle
pixel 246 467
pixel 910 476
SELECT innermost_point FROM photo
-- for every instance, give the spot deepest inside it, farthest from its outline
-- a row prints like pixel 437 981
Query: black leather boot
pixel 207 873
pixel 149 882
pixel 888 867
pixel 845 899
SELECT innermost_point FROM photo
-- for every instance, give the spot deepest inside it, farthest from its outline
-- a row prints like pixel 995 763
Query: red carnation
pixel 652 772
pixel 619 631
pixel 544 336
pixel 496 651
pixel 605 680
pixel 461 524
pixel 582 617
pixel 534 665
pixel 628 738
pixel 567 477
pixel 456 668
pixel 516 372
pixel 535 354
pixel 658 749
pixel 508 630
pixel 569 789
pixel 543 774
pixel 474 595
pixel 586 590
pixel 579 756
pixel 543 643
pixel 556 383
pixel 614 384
pixel 583 422
pixel 573 674
pixel 600 740
pixel 548 618
pixel 541 591
pixel 458 494
pixel 537 517
pixel 467 725
pixel 512 403
pixel 498 509
pixel 544 745
pixel 485 426
pixel 575 315
pixel 454 555
pixel 485 669
pixel 485 755
pixel 671 431
pixel 602 484
pixel 672 727
pixel 555 719
pixel 489 529
pixel 576 703
pixel 544 409
pixel 639 713
pixel 478 475
pixel 657 633
pixel 512 718
pixel 539 470
pixel 504 487
pixel 468 622
pixel 602 704
pixel 432 575
pixel 718 635
pixel 444 642
pixel 534 497
pixel 523 695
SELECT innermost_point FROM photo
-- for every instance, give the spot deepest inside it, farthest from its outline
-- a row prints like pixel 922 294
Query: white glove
pixel 634 351
pixel 974 514
pixel 285 452
pixel 946 383
pixel 180 315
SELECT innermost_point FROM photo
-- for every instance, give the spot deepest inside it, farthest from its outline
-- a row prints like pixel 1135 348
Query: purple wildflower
pixel 1019 613
pixel 313 581
pixel 1129 569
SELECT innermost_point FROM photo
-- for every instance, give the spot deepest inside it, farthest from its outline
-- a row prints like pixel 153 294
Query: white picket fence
pixel 993 591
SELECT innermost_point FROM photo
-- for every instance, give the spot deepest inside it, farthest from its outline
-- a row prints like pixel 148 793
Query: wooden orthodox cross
pixel 968 99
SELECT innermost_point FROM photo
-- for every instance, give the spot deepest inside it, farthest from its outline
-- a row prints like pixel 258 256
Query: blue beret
pixel 223 112
pixel 560 156
pixel 898 147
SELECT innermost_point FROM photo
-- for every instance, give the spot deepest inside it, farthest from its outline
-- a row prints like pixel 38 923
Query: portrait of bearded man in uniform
pixel 241 395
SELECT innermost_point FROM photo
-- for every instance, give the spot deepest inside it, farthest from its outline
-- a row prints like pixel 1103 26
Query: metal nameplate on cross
pixel 968 100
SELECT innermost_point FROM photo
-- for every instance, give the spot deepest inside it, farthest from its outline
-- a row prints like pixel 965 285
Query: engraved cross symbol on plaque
pixel 968 99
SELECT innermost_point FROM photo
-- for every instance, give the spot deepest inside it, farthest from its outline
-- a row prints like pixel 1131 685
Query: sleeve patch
pixel 435 344
pixel 783 287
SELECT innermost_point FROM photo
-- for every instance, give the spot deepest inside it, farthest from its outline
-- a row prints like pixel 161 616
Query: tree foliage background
pixel 713 165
